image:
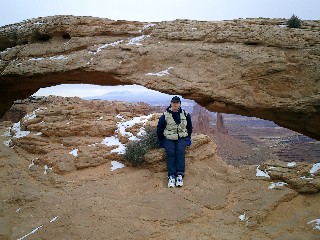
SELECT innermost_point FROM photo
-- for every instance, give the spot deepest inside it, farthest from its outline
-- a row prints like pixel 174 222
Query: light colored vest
pixel 175 131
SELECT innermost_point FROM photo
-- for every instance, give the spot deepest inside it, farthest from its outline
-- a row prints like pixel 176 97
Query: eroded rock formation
pixel 68 133
pixel 58 182
pixel 201 120
pixel 253 67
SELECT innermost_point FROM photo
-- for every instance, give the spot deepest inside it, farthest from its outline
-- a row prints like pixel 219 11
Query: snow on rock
pixel 160 74
pixel 53 219
pixel 74 152
pixel 116 165
pixel 260 173
pixel 243 217
pixel 121 129
pixel 114 141
pixel 315 223
pixel 60 57
pixel 306 178
pixel 120 117
pixel 105 46
pixel 16 128
pixel 7 132
pixel 127 124
pixel 36 59
pixel 37 228
pixel 7 143
pixel 315 168
pixel 136 40
pixel 291 164
pixel 278 184
pixel 31 164
pixel 46 168
pixel 32 232
pixel 18 132
pixel 148 25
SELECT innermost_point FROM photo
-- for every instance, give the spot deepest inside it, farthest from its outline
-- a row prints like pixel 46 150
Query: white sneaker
pixel 171 182
pixel 179 182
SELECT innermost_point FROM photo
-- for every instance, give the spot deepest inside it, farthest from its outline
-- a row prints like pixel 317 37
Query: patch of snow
pixel 315 168
pixel 291 164
pixel 121 129
pixel 18 210
pixel 46 168
pixel 136 40
pixel 271 167
pixel 90 60
pixel 6 50
pixel 100 118
pixel 116 165
pixel 114 141
pixel 120 150
pixel 53 219
pixel 60 57
pixel 38 134
pixel 109 44
pixel 7 143
pixel 103 47
pixel 278 184
pixel 74 152
pixel 31 164
pixel 17 128
pixel 260 173
pixel 38 23
pixel 119 116
pixel 111 141
pixel 243 217
pixel 148 25
pixel 30 116
pixel 36 59
pixel 32 232
pixel 127 124
pixel 316 224
pixel 160 74
pixel 7 132
pixel 306 178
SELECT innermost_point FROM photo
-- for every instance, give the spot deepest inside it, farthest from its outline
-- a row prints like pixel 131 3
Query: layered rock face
pixel 68 133
pixel 253 67
pixel 59 182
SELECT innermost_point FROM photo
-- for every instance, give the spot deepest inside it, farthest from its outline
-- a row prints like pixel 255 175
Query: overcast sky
pixel 14 11
pixel 150 10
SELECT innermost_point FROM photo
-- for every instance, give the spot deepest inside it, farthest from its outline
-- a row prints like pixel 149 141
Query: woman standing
pixel 174 134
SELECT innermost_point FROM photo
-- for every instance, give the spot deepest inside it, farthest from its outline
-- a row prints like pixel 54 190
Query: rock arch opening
pixel 240 140
pixel 267 72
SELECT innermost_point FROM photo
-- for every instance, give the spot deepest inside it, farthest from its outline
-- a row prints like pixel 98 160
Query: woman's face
pixel 175 105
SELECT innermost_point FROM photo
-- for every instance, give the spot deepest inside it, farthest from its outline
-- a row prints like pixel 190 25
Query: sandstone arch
pixel 253 67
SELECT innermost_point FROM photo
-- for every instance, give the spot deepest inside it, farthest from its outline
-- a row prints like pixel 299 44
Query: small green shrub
pixel 294 22
pixel 136 150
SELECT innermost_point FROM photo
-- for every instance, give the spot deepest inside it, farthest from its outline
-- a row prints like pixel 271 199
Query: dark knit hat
pixel 175 99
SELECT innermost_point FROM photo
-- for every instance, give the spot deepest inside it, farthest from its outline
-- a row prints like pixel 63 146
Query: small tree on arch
pixel 294 22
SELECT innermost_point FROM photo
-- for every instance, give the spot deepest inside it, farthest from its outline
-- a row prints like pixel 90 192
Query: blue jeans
pixel 175 156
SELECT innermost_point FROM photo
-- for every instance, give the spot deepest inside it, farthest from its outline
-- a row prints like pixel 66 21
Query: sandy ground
pixel 135 203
